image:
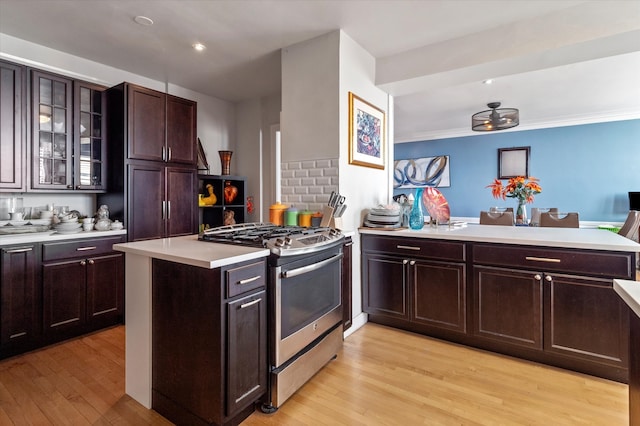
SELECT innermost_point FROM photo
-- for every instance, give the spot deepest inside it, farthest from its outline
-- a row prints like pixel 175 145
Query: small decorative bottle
pixel 416 217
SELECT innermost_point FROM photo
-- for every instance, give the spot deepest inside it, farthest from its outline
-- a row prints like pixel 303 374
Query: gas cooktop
pixel 280 240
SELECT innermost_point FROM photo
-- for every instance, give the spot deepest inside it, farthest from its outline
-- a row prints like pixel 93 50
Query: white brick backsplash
pixel 307 184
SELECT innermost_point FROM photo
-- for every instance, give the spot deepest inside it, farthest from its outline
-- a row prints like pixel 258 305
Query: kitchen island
pixel 185 272
pixel 542 294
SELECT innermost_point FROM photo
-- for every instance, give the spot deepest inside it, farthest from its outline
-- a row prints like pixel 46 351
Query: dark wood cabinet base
pixel 181 416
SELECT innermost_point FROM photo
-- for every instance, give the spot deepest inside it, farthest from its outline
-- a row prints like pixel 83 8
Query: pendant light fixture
pixel 495 118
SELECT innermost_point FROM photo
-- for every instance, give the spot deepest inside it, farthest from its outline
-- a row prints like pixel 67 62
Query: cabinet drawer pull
pixel 408 248
pixel 19 250
pixel 250 280
pixel 246 305
pixel 86 248
pixel 543 259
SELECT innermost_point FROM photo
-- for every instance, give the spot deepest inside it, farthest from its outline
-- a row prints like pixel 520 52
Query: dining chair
pixel 535 214
pixel 496 218
pixel 559 220
pixel 631 226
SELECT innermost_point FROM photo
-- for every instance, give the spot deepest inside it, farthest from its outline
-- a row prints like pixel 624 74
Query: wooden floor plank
pixel 381 376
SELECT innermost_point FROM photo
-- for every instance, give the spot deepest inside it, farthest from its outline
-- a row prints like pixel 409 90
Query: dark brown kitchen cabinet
pixel 90 137
pixel 417 284
pixel 508 306
pixel 585 319
pixel 51 131
pixel 162 127
pixel 12 132
pixel 559 302
pixel 19 299
pixel 82 285
pixel 347 270
pixel 546 304
pixel 164 200
pixel 209 344
pixel 152 162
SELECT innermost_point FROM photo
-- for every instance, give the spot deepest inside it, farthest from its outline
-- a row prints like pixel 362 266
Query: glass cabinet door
pixel 89 144
pixel 52 132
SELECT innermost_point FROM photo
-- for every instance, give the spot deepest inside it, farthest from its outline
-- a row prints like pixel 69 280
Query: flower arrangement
pixel 518 187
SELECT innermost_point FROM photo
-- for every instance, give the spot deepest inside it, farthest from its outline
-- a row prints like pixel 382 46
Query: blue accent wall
pixel 587 169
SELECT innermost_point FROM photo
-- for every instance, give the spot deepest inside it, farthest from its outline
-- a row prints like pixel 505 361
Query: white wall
pixel 363 187
pixel 310 106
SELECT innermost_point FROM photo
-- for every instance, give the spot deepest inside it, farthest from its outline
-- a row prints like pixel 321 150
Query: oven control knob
pixel 287 241
pixel 279 242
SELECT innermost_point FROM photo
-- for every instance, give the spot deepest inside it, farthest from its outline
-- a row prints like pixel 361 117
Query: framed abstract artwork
pixel 513 162
pixel 366 133
pixel 422 172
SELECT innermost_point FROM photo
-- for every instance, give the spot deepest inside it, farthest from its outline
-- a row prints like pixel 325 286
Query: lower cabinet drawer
pixel 415 247
pixel 245 278
pixel 588 262
pixel 78 248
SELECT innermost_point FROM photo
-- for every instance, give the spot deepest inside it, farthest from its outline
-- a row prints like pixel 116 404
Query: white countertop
pixel 188 250
pixel 38 237
pixel 629 291
pixel 580 238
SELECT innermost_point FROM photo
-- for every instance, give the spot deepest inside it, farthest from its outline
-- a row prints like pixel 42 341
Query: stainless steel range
pixel 305 306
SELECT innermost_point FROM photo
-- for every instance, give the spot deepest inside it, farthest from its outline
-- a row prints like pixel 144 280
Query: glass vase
pixel 416 217
pixel 521 213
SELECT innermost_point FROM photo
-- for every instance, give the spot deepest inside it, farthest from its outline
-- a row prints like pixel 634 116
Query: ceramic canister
pixel 304 218
pixel 291 216
pixel 316 219
pixel 276 213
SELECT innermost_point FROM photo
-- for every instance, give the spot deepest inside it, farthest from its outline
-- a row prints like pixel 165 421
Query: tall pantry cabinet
pixel 152 162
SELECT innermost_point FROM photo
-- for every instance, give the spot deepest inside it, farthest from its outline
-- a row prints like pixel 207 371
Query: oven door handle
pixel 310 268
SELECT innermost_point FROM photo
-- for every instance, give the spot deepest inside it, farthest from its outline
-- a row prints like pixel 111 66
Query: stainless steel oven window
pixel 307 303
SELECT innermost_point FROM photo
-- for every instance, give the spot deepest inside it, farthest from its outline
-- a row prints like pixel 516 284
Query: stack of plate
pixel 384 216
pixel 69 227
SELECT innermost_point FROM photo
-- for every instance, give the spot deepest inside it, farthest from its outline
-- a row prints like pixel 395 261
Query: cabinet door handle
pixel 164 154
pixel 408 247
pixel 405 261
pixel 537 277
pixel 83 262
pixel 412 263
pixel 163 210
pixel 91 262
pixel 246 305
pixel 548 278
pixel 169 154
pixel 543 259
pixel 18 250
pixel 168 210
pixel 249 280
pixel 86 248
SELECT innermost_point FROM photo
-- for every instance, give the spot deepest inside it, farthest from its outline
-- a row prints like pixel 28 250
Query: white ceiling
pixel 558 61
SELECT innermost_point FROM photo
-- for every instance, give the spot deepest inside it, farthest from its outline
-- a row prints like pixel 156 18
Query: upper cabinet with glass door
pixel 89 143
pixel 52 165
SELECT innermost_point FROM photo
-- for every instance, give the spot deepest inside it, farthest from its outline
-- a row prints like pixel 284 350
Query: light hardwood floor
pixel 382 376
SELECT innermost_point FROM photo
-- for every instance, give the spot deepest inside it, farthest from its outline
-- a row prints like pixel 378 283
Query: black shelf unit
pixel 211 216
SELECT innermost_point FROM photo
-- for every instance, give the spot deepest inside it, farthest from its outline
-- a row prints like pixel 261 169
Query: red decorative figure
pixel 249 205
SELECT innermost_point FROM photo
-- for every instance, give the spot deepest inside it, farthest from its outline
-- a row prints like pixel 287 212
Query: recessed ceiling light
pixel 143 20
pixel 199 47
pixel 488 81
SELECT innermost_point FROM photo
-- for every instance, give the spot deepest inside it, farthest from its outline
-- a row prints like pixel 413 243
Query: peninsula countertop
pixel 578 238
pixel 629 291
pixel 189 251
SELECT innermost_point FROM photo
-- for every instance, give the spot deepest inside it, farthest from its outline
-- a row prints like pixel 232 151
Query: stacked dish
pixel 68 227
pixel 384 216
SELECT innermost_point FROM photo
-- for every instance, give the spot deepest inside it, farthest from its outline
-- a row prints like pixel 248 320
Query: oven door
pixel 307 301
